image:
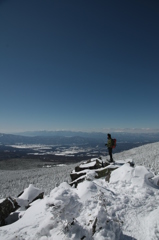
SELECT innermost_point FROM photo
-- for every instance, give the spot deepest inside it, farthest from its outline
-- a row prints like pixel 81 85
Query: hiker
pixel 109 146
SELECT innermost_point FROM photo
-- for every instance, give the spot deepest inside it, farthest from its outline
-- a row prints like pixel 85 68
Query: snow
pixel 146 155
pixel 33 146
pixel 124 208
pixel 30 193
pixel 41 149
pixel 14 182
pixel 87 165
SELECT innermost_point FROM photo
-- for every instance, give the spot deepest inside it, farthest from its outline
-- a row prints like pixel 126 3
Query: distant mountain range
pixel 70 137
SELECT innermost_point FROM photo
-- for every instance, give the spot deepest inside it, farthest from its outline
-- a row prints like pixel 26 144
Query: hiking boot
pixel 111 161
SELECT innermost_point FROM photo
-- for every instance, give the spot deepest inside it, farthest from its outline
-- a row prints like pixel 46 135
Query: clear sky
pixel 79 64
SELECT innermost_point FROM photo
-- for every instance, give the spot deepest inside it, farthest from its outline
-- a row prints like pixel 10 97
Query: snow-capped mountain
pixel 124 208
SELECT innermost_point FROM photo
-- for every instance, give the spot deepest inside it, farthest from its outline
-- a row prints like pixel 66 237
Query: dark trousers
pixel 110 154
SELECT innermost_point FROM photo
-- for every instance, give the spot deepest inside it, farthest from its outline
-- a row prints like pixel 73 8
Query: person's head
pixel 109 135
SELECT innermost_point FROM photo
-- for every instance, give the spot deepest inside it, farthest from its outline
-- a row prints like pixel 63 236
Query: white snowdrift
pixel 28 196
pixel 127 206
pixel 124 208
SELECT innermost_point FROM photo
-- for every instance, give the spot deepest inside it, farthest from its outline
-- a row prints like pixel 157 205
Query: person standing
pixel 109 146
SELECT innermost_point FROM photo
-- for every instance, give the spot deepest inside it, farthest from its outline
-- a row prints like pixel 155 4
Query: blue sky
pixel 79 65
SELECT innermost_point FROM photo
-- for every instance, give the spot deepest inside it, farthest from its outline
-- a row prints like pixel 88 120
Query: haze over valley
pixel 44 149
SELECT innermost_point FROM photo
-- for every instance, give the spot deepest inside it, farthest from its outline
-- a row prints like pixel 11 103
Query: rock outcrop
pixel 23 200
pixel 96 166
pixel 6 207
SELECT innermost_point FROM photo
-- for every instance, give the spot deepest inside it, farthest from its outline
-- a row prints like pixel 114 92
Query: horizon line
pixel 104 130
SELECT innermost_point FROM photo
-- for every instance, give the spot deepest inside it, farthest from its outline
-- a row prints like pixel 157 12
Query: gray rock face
pixel 10 205
pixel 75 175
pixel 6 207
pixel 96 165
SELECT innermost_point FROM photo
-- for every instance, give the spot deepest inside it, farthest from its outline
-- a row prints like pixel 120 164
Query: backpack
pixel 114 143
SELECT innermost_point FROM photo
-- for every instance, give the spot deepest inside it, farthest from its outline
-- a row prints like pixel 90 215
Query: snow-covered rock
pixel 29 195
pixel 126 207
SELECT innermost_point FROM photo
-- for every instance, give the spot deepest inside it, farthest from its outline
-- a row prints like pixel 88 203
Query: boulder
pixel 106 172
pixel 77 181
pixel 94 166
pixel 30 194
pixel 40 196
pixel 75 175
pixel 10 205
pixel 6 207
pixel 90 164
pixel 99 173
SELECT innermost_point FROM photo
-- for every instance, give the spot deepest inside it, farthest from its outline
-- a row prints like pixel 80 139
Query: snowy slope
pixel 123 209
pixel 146 155
pixel 13 182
